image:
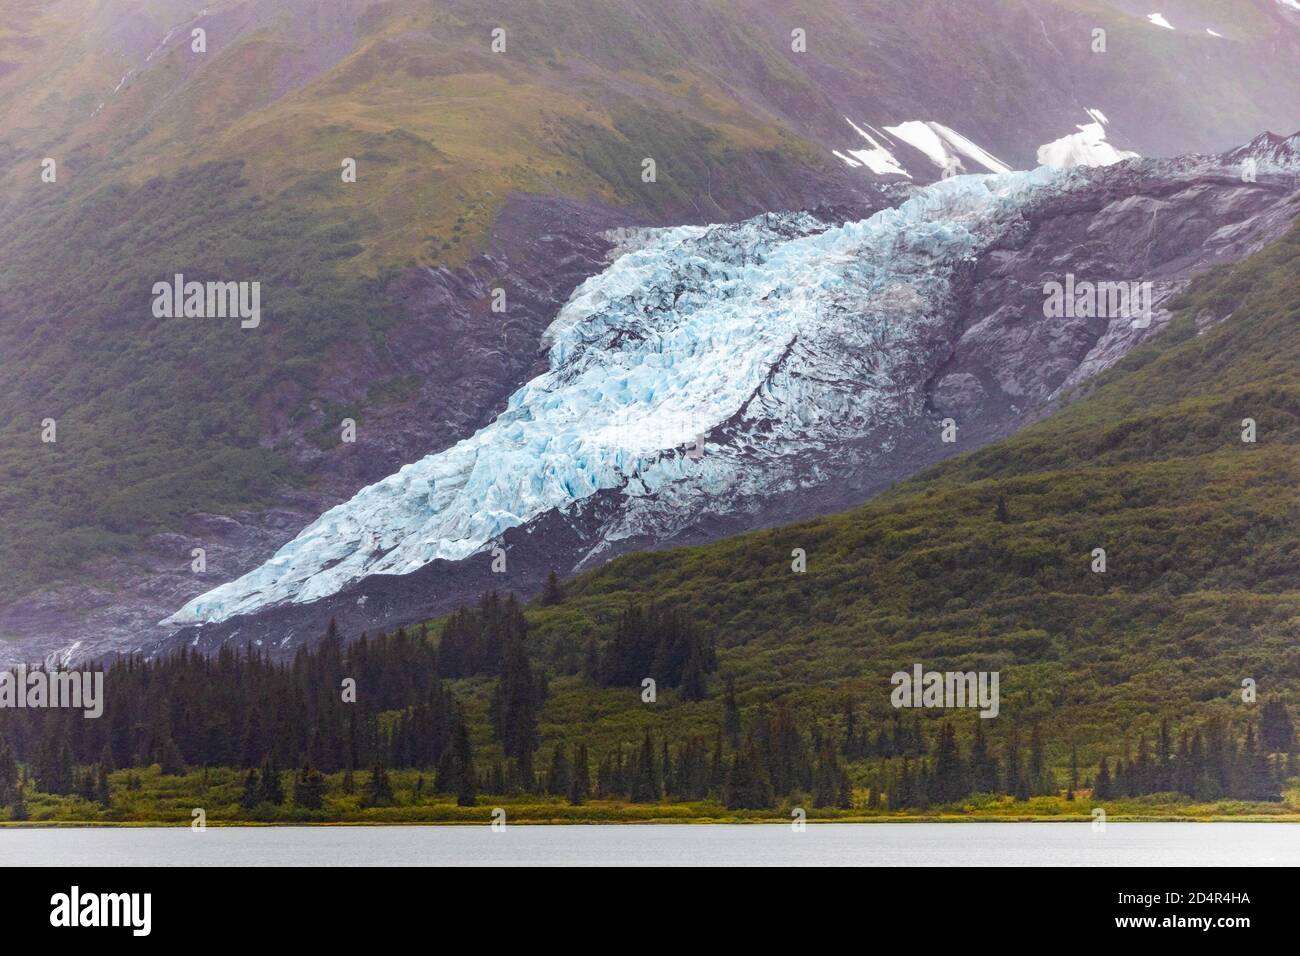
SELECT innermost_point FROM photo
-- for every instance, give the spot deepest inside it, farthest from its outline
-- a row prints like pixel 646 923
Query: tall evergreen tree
pixel 1101 790
pixel 1164 771
pixel 309 789
pixel 552 593
pixel 830 782
pixel 252 792
pixel 645 778
pixel 272 788
pixel 378 790
pixel 1040 780
pixel 731 714
pixel 1276 730
pixel 8 774
pixel 515 704
pixel 984 769
pixel 748 786
pixel 559 780
pixel 580 780
pixel 456 772
pixel 950 774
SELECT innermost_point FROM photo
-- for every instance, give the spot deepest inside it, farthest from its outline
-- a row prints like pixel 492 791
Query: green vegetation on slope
pixel 171 415
pixel 1124 687
pixel 1200 590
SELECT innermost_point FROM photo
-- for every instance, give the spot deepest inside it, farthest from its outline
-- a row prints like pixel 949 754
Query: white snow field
pixel 1088 147
pixel 945 146
pixel 878 159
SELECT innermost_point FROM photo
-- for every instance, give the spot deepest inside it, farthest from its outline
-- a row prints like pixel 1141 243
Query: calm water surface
pixel 931 844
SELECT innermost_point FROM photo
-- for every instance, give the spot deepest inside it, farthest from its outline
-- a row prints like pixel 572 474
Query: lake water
pixel 899 844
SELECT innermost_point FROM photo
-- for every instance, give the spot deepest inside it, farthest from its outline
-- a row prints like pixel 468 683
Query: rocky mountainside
pixel 716 379
pixel 209 141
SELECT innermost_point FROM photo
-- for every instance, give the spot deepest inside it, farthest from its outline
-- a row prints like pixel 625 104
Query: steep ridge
pixel 805 401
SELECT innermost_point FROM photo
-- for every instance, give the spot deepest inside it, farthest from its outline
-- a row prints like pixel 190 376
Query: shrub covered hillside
pixel 986 562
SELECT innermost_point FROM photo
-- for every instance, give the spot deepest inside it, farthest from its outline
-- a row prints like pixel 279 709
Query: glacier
pixel 761 340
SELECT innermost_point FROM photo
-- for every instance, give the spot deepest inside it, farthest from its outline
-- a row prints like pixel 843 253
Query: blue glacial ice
pixel 773 337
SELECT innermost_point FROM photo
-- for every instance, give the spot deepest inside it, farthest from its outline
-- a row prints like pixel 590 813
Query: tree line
pixel 383 703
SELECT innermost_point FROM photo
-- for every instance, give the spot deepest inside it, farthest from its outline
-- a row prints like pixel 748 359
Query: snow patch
pixel 1088 147
pixel 944 147
pixel 878 159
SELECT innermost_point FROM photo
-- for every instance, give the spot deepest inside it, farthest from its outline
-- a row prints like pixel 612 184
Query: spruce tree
pixel 695 673
pixel 514 707
pixel 580 776
pixel 168 757
pixel 1164 771
pixel 1012 768
pixel 309 789
pixel 552 593
pixel 464 781
pixel 1040 780
pixel 272 788
pixel 1276 730
pixel 645 777
pixel 86 785
pixel 378 791
pixel 830 782
pixel 748 786
pixel 984 771
pixel 950 774
pixel 731 714
pixel 1101 790
pixel 558 781
pixel 8 774
pixel 252 792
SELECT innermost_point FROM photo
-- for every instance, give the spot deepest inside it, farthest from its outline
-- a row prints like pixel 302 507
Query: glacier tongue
pixel 770 337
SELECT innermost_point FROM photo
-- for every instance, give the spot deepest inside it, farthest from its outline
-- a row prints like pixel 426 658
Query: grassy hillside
pixel 170 416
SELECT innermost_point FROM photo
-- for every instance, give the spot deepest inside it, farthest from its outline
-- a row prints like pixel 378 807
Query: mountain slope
pixel 813 363
pixel 476 171
pixel 1200 589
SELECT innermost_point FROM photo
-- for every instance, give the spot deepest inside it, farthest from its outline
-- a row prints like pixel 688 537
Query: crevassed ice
pixel 778 319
